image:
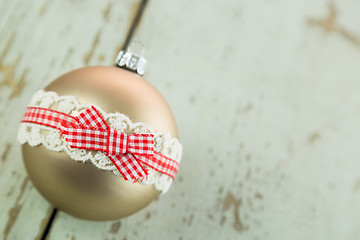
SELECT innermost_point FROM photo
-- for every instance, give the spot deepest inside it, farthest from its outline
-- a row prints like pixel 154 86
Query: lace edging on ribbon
pixel 36 135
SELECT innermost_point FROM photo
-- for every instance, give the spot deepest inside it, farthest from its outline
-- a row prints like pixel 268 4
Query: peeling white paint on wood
pixel 266 95
pixel 41 40
pixel 267 99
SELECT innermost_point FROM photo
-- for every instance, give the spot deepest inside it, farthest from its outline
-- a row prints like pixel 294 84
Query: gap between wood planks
pixel 135 23
pixel 129 35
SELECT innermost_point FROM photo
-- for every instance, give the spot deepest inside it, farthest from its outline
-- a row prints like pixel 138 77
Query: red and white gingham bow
pixel 90 131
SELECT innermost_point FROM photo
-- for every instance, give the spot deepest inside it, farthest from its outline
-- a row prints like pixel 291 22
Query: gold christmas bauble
pixel 81 189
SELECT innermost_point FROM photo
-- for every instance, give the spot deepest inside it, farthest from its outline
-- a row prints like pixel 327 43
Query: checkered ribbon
pixel 90 131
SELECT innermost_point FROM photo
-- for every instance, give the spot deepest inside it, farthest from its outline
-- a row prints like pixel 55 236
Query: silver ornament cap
pixel 132 61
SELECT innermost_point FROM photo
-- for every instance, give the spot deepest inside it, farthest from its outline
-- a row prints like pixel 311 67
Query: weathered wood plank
pixel 39 41
pixel 19 201
pixel 268 118
pixel 266 97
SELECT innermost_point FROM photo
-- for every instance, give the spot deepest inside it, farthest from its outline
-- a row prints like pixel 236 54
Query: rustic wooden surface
pixel 267 99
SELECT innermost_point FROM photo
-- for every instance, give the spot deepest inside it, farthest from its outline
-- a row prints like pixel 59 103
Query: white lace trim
pixel 35 134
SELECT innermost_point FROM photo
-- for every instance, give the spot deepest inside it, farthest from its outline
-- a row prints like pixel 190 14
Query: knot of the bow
pixel 120 143
pixel 90 131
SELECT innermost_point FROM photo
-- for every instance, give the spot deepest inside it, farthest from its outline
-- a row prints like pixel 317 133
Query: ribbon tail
pixel 128 166
pixel 160 163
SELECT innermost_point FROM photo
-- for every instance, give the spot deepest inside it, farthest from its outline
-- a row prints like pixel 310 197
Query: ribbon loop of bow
pixel 90 131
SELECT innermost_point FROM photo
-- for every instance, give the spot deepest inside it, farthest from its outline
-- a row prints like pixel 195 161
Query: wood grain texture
pixel 19 201
pixel 266 95
pixel 268 112
pixel 39 41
